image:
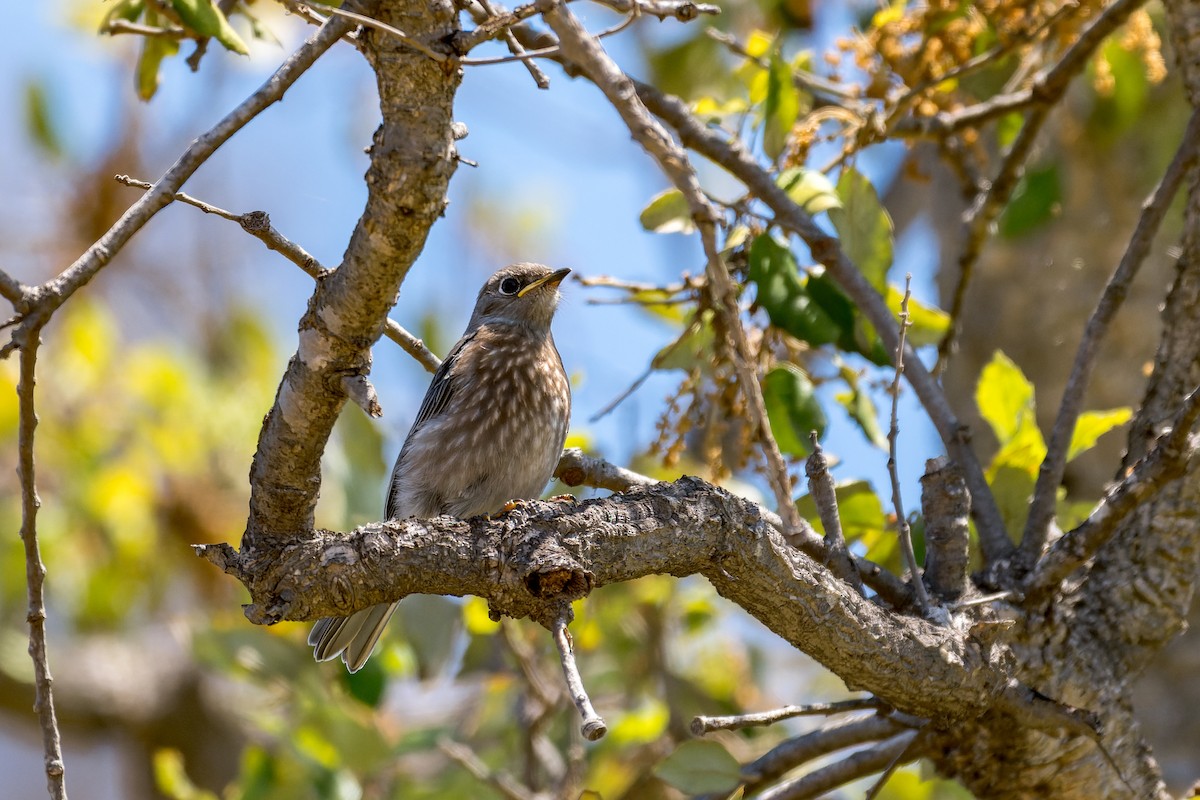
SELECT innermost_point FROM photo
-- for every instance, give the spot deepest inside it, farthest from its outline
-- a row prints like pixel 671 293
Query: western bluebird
pixel 490 429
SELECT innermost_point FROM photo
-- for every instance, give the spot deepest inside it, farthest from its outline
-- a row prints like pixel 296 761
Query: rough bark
pixel 982 684
pixel 412 159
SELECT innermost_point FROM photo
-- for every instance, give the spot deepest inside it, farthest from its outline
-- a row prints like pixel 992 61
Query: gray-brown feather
pixel 490 429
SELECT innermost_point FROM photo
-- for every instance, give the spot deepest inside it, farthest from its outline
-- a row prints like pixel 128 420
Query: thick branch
pixel 542 554
pixel 412 159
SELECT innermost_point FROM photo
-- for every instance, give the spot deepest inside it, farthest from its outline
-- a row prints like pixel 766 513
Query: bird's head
pixel 520 294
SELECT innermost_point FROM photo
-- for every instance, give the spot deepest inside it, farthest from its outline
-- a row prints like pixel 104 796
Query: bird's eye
pixel 510 286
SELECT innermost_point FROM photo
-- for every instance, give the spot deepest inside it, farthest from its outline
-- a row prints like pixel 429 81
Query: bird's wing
pixel 437 396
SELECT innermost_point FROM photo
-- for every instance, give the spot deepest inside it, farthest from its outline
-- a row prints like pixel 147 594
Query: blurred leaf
pixel 128 10
pixel 700 767
pixel 792 408
pixel 476 619
pixel 668 212
pixel 641 725
pixel 1035 201
pixel 1012 487
pixel 809 189
pixel 1004 397
pixel 861 408
pixel 154 50
pixel 781 293
pixel 1008 127
pixel 1124 105
pixel 39 121
pixel 864 228
pixel 1091 425
pixel 929 323
pixel 367 685
pixel 781 108
pixel 206 19
pixel 690 349
pixel 171 779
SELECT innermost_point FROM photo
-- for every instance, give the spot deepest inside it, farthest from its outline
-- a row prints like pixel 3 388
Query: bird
pixel 490 430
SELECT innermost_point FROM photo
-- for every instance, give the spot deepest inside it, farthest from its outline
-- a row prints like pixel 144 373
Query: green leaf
pixel 172 780
pixel 1035 201
pixel 782 106
pixel 700 767
pixel 39 121
pixel 367 685
pixel 929 323
pixel 1012 488
pixel 792 409
pixel 1091 425
pixel 864 227
pixel 206 19
pixel 688 350
pixel 861 408
pixel 668 212
pixel 782 294
pixel 154 50
pixel 1004 397
pixel 809 189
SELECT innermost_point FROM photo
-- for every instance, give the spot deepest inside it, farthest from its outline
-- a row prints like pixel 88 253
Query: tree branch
pixel 702 725
pixel 53 293
pixel 1047 87
pixel 412 159
pixel 258 225
pixel 1154 209
pixel 827 251
pixel 35 570
pixel 527 563
pixel 855 766
pixel 1168 461
pixel 946 505
pixel 808 747
pixel 585 51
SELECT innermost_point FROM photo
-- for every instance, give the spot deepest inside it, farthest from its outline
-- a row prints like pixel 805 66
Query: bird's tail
pixel 352 637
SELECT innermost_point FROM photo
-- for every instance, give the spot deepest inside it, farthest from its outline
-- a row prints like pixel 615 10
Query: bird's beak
pixel 553 279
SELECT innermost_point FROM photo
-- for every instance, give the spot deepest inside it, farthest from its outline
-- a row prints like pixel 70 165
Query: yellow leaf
pixel 476 619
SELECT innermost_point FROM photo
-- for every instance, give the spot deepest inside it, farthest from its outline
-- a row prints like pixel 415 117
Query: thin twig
pixel 1046 87
pixel 1154 209
pixel 884 776
pixel 554 50
pixel 258 225
pixel 505 784
pixel 510 39
pixel 35 570
pixel 702 725
pixel 589 54
pixel 977 224
pixel 115 27
pixel 902 529
pixel 55 292
pixel 371 22
pixel 360 390
pixel 593 726
pixel 732 156
pixel 682 10
pixel 1167 461
pixel 809 747
pixel 855 766
pixel 824 495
